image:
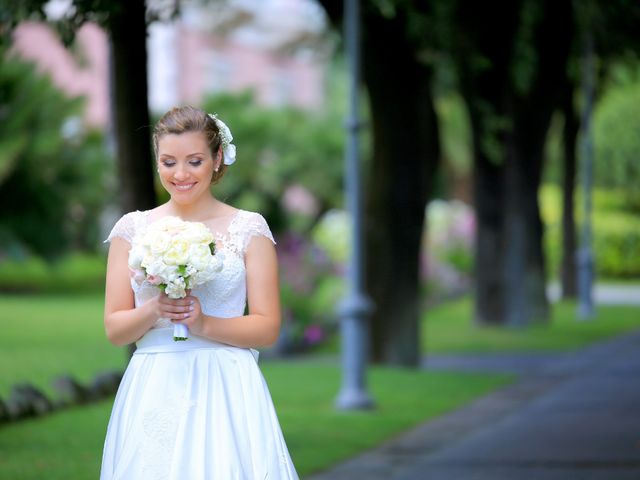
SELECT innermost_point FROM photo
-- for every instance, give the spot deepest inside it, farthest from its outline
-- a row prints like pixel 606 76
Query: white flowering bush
pixel 176 256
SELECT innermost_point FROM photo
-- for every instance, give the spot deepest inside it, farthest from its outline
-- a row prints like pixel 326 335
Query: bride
pixel 198 409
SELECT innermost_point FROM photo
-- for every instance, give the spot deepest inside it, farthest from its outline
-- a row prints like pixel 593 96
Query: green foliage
pixel 617 247
pixel 617 142
pixel 455 133
pixel 72 273
pixel 51 171
pixel 278 148
pixel 616 232
pixel 311 286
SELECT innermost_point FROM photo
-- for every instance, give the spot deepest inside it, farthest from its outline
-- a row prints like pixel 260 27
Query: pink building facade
pixel 190 58
pixel 85 74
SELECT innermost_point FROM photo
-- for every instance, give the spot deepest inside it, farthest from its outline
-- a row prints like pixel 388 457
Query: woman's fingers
pixel 178 308
pixel 175 309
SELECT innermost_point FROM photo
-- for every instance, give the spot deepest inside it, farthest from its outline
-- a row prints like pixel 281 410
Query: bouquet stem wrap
pixel 176 256
pixel 180 332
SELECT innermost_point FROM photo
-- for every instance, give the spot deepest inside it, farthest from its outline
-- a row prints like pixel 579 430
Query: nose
pixel 180 173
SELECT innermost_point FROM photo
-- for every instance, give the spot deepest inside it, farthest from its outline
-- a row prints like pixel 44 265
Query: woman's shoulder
pixel 248 224
pixel 126 226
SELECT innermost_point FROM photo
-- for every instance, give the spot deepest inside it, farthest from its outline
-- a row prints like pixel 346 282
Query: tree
pixel 51 169
pixel 404 131
pixel 569 161
pixel 612 27
pixel 509 63
pixel 126 25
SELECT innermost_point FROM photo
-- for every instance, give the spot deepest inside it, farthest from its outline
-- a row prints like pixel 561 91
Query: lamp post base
pixel 586 310
pixel 354 399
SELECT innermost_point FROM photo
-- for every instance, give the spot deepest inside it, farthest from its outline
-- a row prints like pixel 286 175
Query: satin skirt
pixel 193 410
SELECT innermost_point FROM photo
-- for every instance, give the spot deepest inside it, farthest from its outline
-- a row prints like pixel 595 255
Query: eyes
pixel 196 162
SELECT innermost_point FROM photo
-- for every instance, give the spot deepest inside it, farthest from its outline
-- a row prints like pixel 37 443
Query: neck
pixel 204 207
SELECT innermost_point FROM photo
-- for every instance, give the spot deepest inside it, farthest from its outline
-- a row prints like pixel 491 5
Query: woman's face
pixel 185 165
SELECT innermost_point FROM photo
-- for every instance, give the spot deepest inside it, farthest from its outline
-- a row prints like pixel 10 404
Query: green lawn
pixel 44 336
pixel 448 329
pixel 48 335
pixel 68 444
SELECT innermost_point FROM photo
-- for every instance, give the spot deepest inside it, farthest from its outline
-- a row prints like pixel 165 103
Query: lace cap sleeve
pixel 124 228
pixel 253 225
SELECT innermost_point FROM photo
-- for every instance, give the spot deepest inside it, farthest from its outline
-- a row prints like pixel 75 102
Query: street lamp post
pixel 355 307
pixel 585 255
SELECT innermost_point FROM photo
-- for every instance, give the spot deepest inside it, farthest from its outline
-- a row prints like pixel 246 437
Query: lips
pixel 183 187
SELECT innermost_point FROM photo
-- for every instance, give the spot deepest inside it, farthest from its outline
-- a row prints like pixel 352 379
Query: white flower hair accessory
pixel 228 148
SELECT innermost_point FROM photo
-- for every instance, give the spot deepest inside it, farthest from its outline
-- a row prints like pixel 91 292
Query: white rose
pixel 213 266
pixel 197 233
pixel 160 243
pixel 176 288
pixel 191 270
pixel 178 252
pixel 199 255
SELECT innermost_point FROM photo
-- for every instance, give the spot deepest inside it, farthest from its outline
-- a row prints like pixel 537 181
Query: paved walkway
pixel 618 294
pixel 570 416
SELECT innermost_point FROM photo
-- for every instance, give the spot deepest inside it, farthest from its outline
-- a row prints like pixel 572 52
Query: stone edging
pixel 26 401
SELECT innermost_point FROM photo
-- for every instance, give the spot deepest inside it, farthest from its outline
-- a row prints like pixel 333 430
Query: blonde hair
pixel 190 119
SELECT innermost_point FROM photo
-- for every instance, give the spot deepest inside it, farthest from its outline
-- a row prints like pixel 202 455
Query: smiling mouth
pixel 183 187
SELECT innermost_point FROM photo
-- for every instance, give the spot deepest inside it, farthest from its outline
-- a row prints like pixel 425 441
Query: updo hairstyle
pixel 180 120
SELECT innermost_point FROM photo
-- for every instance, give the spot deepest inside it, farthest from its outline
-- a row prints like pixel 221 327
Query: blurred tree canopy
pixel 278 148
pixel 51 169
pixel 617 141
pixel 512 63
pixel 126 25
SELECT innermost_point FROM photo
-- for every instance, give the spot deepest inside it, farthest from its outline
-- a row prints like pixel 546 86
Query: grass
pixel 48 335
pixel 45 336
pixel 68 444
pixel 448 329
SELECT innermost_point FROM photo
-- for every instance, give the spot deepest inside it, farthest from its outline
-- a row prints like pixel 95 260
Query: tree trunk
pixel 488 193
pixel 405 153
pixel 524 273
pixel 525 278
pixel 130 109
pixel 488 34
pixel 508 156
pixel 569 239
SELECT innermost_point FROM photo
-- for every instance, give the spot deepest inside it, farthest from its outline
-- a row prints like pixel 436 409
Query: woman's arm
pixel 123 322
pixel 261 327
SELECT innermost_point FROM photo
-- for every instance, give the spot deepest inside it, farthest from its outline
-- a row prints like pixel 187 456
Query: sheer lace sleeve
pixel 124 228
pixel 255 225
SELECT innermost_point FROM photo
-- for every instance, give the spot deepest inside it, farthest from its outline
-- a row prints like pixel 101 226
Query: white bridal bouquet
pixel 176 256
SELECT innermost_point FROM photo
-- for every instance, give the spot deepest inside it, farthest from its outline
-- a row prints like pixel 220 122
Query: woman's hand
pixel 173 309
pixel 185 310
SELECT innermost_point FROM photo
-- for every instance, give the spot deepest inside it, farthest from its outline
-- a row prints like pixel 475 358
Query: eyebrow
pixel 166 155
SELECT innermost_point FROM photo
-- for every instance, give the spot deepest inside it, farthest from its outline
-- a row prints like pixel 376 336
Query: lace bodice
pixel 224 296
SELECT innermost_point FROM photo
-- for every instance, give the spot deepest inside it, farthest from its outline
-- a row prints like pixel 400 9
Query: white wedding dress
pixel 197 409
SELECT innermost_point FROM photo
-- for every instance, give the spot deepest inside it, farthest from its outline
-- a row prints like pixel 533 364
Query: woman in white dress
pixel 197 409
